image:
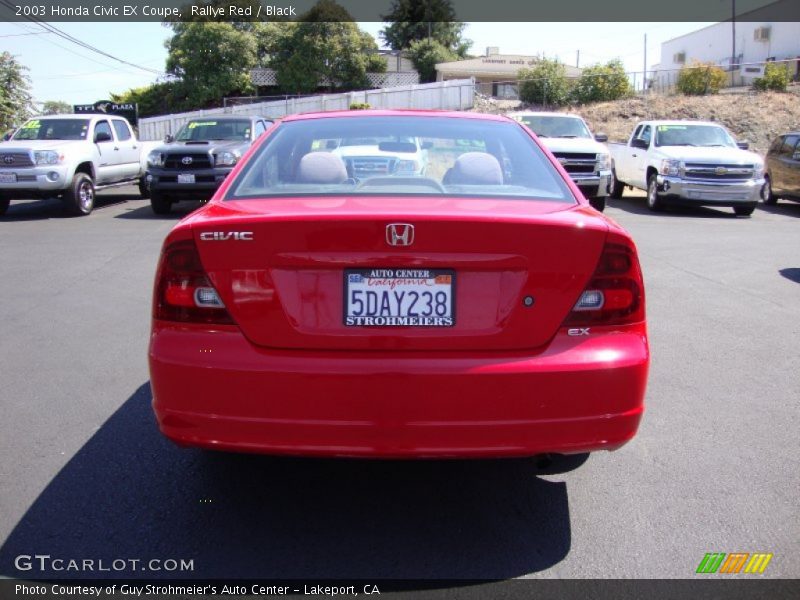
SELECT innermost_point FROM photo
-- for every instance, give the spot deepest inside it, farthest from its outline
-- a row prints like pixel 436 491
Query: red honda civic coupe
pixel 399 284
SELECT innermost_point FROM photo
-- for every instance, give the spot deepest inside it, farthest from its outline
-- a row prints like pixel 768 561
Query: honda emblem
pixel 399 234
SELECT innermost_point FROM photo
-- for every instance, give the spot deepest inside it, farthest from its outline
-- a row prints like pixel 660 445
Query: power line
pixel 62 34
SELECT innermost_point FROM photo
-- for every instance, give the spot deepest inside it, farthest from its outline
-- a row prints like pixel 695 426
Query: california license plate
pixel 407 297
pixel 185 178
pixel 8 178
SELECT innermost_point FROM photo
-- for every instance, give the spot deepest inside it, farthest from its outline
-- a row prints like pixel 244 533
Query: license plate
pixel 8 178
pixel 183 178
pixel 407 297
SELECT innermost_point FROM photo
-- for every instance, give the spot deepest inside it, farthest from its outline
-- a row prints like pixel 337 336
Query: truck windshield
pixel 554 126
pixel 53 129
pixel 693 135
pixel 209 129
pixel 455 157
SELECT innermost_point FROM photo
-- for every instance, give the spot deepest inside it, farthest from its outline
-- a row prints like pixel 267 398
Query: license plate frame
pixel 186 178
pixel 8 178
pixel 408 280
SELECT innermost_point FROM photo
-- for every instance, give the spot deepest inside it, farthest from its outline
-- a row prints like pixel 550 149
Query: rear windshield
pixel 400 156
pixel 209 129
pixel 553 126
pixel 53 129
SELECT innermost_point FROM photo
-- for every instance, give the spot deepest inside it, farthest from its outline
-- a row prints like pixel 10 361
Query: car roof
pixel 544 113
pixel 682 122
pixel 396 113
pixel 228 118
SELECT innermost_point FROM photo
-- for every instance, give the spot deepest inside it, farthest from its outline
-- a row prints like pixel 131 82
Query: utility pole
pixel 644 77
pixel 578 60
pixel 733 37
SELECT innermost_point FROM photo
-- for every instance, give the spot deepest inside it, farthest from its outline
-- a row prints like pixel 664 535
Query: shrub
pixel 426 54
pixel 701 78
pixel 600 83
pixel 545 83
pixel 776 78
pixel 359 106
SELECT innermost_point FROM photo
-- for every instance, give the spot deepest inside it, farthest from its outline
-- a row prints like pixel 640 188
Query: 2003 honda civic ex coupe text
pixel 364 306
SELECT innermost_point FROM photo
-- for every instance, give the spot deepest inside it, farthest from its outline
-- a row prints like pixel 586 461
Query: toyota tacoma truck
pixel 71 157
pixel 693 163
pixel 193 164
pixel 584 156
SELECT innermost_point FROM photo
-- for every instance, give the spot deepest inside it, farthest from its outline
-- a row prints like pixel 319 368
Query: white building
pixel 756 43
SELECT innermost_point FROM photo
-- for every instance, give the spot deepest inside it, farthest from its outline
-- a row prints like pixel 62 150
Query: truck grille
pixel 15 160
pixel 579 163
pixel 718 172
pixel 194 160
pixel 371 167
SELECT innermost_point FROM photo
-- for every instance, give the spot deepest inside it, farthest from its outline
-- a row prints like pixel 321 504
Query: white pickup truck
pixel 71 156
pixel 583 155
pixel 694 163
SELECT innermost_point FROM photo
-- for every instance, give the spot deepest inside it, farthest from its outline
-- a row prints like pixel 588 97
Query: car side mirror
pixel 744 144
pixel 102 136
pixel 169 138
pixel 601 137
pixel 639 143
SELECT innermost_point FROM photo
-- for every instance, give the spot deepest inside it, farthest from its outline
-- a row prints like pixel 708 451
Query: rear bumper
pixel 216 390
pixel 709 193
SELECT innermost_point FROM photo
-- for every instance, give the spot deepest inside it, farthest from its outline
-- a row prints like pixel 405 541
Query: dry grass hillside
pixel 756 117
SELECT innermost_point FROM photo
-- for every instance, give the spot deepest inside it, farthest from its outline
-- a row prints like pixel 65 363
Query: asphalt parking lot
pixel 715 467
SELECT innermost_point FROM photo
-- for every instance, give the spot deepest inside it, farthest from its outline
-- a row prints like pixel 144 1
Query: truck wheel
pixel 144 188
pixel 654 203
pixel 767 197
pixel 160 204
pixel 79 197
pixel 4 202
pixel 615 187
pixel 598 203
pixel 743 211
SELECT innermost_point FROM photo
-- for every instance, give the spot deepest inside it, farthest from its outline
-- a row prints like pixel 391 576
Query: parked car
pixel 370 156
pixel 584 156
pixel 692 163
pixel 481 309
pixel 192 165
pixel 71 156
pixel 782 179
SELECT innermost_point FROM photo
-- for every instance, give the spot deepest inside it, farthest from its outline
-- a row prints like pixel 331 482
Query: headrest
pixel 476 168
pixel 321 167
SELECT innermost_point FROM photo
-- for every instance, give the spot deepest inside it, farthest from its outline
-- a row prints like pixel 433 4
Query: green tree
pixel 156 99
pixel 55 107
pixel 776 78
pixel 601 83
pixel 425 54
pixel 211 60
pixel 325 48
pixel 15 97
pixel 416 20
pixel 701 78
pixel 544 83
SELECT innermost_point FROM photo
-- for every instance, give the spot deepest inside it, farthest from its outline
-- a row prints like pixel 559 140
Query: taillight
pixel 183 291
pixel 615 293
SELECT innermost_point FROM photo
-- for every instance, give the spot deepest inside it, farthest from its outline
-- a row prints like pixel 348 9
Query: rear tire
pixel 767 196
pixel 4 203
pixel 79 197
pixel 743 211
pixel 654 203
pixel 160 204
pixel 616 187
pixel 598 203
